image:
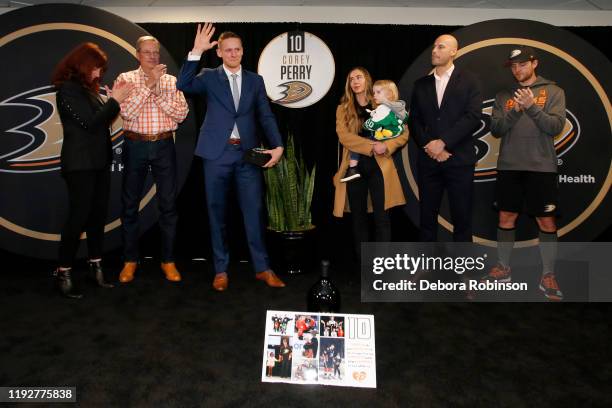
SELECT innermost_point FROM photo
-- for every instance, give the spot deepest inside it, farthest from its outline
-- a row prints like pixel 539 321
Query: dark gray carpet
pixel 154 343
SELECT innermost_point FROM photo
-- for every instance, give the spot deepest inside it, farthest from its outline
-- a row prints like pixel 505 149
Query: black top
pixel 86 121
pixel 363 115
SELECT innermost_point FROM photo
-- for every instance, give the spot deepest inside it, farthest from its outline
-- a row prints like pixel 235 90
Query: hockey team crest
pixel 584 146
pixel 298 69
pixel 34 203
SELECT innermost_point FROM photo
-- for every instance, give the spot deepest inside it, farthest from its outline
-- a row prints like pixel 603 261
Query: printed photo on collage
pixel 282 323
pixel 308 347
pixel 279 356
pixel 331 359
pixel 305 370
pixel 331 326
pixel 305 324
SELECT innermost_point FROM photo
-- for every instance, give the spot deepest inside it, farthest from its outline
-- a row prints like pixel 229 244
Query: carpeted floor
pixel 155 343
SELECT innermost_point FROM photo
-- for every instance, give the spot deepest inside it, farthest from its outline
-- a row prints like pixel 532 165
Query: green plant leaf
pixel 289 190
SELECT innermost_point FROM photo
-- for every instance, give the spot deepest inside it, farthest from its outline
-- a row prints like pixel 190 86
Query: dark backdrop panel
pixel 386 51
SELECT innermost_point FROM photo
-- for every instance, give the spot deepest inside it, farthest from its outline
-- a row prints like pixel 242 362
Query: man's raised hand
pixel 202 41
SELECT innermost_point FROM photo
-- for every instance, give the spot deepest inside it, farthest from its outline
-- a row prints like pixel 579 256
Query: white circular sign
pixel 298 69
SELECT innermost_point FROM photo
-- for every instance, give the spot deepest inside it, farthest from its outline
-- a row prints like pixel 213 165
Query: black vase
pixel 293 252
pixel 323 295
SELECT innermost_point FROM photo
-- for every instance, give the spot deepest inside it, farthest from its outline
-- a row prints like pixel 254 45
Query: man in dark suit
pixel 236 102
pixel 445 111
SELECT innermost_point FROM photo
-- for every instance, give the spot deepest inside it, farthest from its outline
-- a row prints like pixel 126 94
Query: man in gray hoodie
pixel 527 118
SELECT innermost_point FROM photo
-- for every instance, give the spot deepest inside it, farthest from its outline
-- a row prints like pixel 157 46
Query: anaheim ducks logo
pixel 35 144
pixel 294 91
pixel 487 145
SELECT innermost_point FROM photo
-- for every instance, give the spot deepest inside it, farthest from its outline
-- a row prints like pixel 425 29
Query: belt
pixel 233 141
pixel 147 137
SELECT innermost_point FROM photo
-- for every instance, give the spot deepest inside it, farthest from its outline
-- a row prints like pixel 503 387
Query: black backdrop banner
pixel 385 50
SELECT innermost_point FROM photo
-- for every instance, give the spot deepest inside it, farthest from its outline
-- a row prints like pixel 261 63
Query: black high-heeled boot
pixel 63 280
pixel 95 268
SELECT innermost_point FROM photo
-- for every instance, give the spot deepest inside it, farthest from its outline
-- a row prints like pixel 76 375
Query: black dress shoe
pixel 64 284
pixel 95 268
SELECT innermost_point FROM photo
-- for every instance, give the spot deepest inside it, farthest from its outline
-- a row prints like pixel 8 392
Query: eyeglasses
pixel 150 53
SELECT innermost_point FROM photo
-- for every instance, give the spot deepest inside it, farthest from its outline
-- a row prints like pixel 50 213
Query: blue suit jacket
pixel 214 86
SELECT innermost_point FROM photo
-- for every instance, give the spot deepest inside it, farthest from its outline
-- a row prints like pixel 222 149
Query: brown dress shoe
pixel 220 282
pixel 127 273
pixel 172 274
pixel 270 278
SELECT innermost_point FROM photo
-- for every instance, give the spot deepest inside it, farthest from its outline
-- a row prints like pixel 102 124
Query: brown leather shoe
pixel 220 282
pixel 127 273
pixel 172 274
pixel 270 278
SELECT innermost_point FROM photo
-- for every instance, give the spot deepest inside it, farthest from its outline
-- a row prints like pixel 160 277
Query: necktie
pixel 235 91
pixel 236 96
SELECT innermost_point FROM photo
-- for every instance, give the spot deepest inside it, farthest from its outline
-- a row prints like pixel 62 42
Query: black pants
pixel 371 180
pixel 458 181
pixel 88 194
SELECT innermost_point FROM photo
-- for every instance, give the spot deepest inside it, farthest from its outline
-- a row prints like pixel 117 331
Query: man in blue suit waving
pixel 236 101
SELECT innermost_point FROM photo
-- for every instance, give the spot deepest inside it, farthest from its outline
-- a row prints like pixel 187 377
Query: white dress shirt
pixel 441 82
pixel 238 79
pixel 194 57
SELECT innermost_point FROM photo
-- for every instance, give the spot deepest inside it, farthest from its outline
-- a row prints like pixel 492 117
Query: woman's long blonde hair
pixel 347 102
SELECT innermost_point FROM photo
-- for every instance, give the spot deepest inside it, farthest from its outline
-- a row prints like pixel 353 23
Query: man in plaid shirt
pixel 150 115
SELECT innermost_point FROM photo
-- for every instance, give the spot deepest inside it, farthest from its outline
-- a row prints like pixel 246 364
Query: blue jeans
pixel 137 157
pixel 354 156
pixel 368 134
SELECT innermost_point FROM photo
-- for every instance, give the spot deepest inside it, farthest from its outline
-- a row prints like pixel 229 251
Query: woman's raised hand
pixel 120 91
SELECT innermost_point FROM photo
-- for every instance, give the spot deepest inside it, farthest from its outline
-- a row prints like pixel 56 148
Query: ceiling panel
pixel 493 4
pixel 188 3
pixel 34 2
pixel 115 3
pixel 602 4
pixel 448 3
pixel 546 4
pixel 273 2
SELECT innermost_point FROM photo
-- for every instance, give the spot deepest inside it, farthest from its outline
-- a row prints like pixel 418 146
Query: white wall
pixel 363 15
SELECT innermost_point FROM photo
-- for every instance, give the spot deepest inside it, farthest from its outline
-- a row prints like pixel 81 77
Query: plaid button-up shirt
pixel 152 111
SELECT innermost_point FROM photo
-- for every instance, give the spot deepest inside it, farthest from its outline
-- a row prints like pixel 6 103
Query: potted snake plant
pixel 289 190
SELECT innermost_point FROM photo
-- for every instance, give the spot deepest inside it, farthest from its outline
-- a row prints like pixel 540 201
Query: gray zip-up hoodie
pixel 398 107
pixel 528 136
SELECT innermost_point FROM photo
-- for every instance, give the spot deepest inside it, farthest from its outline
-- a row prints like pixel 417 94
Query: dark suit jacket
pixel 454 121
pixel 214 86
pixel 86 121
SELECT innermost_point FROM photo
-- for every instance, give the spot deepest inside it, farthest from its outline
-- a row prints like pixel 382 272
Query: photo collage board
pixel 319 348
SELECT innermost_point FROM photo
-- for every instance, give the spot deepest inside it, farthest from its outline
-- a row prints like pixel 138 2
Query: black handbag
pixel 256 156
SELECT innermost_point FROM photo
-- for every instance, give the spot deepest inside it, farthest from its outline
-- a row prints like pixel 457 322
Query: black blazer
pixel 457 118
pixel 86 121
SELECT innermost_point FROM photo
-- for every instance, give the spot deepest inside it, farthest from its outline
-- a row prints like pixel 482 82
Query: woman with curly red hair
pixel 86 156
